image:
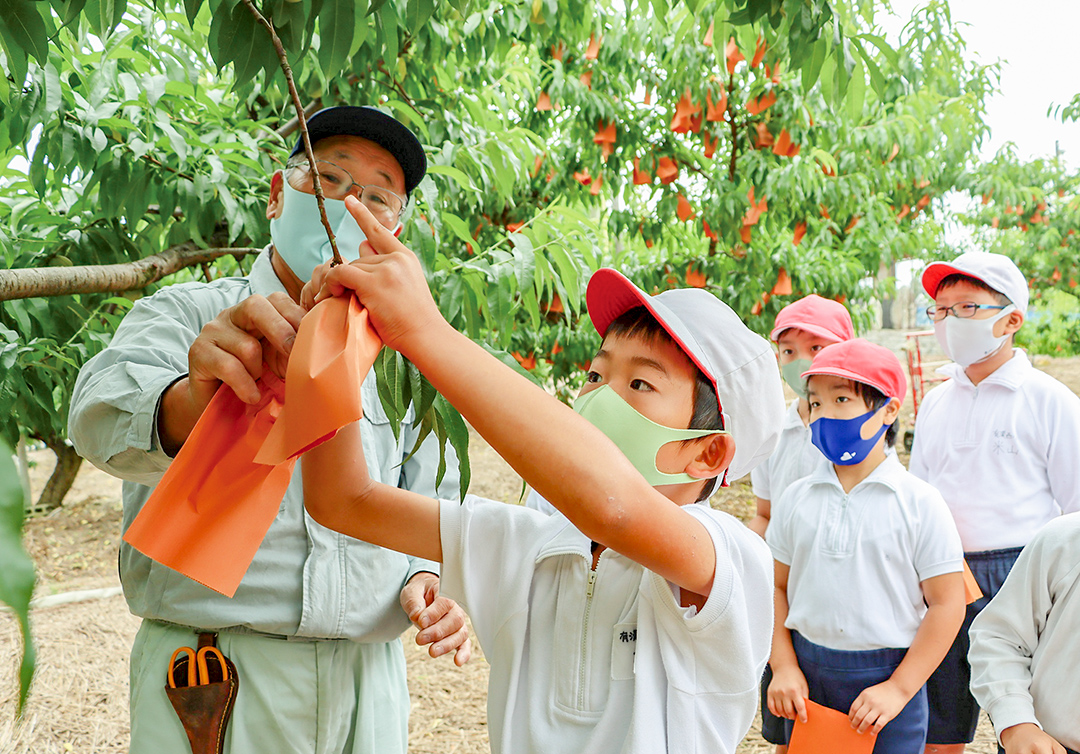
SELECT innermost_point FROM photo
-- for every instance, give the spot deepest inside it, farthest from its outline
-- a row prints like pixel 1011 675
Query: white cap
pixel 740 363
pixel 996 270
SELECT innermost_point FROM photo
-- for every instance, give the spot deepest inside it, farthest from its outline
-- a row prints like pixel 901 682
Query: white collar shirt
pixel 857 559
pixel 1005 454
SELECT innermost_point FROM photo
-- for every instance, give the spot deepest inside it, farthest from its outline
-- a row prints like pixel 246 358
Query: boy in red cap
pixel 634 621
pixel 869 585
pixel 1000 441
pixel 802 328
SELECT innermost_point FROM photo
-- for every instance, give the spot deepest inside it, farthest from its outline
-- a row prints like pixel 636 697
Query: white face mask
pixel 969 341
pixel 299 237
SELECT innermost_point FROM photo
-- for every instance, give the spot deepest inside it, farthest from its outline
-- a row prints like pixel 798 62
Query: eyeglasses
pixel 963 310
pixel 337 183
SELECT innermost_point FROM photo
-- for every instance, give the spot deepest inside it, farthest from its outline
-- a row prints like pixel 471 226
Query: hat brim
pixel 849 375
pixel 935 272
pixel 374 125
pixel 611 294
pixel 813 329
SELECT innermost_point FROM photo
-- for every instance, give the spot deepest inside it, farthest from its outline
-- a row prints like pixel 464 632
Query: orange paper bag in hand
pixel 211 510
pixel 335 347
pixel 209 513
pixel 828 732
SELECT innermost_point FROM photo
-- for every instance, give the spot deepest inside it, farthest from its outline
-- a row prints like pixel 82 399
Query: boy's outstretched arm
pixel 565 458
pixel 879 704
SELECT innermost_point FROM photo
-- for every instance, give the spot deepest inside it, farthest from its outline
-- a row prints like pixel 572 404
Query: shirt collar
pixel 262 277
pixel 886 474
pixel 1011 374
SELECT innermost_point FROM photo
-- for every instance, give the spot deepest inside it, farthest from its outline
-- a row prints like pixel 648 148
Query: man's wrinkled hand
pixel 442 623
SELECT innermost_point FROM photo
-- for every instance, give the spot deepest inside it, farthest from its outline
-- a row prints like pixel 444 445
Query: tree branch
pixel 29 282
pixel 302 120
pixel 734 127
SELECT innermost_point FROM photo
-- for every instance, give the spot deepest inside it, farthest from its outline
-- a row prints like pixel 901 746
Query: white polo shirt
pixel 1005 454
pixel 605 660
pixel 858 559
pixel 1024 649
pixel 795 457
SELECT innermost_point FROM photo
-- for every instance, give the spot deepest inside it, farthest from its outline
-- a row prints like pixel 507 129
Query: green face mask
pixel 792 372
pixel 639 438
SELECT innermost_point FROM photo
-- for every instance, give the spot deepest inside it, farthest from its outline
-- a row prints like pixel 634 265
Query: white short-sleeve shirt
pixel 795 457
pixel 606 660
pixel 1005 453
pixel 857 559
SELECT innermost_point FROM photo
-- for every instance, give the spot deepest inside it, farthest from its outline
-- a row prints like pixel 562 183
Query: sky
pixel 1036 42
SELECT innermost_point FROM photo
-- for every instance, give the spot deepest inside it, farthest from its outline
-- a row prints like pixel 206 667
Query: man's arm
pixel 566 459
pixel 879 704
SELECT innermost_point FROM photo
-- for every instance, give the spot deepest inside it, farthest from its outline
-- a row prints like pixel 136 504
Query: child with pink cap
pixel 869 585
pixel 801 329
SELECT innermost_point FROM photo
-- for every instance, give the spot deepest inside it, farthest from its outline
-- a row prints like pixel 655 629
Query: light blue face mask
pixel 638 437
pixel 792 372
pixel 299 237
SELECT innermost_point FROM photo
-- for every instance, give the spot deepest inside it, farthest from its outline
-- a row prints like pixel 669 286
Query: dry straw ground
pixel 79 699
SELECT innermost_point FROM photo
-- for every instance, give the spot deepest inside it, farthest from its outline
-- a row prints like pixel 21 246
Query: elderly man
pixel 314 627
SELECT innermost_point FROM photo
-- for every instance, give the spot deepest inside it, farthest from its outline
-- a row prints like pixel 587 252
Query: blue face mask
pixel 841 441
pixel 300 238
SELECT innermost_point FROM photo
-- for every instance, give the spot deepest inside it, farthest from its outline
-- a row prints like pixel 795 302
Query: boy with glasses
pixel 999 440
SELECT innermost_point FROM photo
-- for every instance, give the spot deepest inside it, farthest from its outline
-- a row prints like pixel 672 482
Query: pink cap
pixel 860 360
pixel 995 270
pixel 816 315
pixel 740 363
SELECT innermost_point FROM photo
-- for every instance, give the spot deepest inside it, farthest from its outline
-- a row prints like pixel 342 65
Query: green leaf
pixel 458 434
pixel 24 26
pixel 16 567
pixel 337 20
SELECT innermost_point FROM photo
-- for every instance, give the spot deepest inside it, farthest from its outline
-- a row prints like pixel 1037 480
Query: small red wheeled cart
pixel 923 373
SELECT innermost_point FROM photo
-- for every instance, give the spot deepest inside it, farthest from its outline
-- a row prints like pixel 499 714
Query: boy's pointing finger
pixel 379 239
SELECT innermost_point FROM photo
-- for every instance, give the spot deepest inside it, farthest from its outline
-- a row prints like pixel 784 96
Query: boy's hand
pixel 441 620
pixel 788 693
pixel 388 280
pixel 1028 738
pixel 876 706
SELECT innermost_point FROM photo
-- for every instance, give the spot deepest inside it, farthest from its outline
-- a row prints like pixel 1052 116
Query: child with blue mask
pixel 636 621
pixel 869 585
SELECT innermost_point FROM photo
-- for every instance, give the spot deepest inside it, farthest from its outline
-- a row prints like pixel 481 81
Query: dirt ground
pixel 78 702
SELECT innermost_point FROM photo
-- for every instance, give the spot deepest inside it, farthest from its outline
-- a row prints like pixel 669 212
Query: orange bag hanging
pixel 209 513
pixel 211 510
pixel 335 347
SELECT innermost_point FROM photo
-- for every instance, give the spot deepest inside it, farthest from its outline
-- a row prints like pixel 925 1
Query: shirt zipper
pixel 585 633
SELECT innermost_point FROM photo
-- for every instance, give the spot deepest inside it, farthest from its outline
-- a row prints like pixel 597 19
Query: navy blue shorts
pixel 954 713
pixel 772 727
pixel 836 678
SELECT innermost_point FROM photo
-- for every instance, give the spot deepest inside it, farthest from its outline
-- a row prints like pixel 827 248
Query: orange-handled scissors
pixel 197 668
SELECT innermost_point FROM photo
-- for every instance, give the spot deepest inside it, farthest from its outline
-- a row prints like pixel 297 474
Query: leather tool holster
pixel 204 710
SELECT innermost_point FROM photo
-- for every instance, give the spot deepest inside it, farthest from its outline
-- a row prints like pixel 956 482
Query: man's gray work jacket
pixel 305 580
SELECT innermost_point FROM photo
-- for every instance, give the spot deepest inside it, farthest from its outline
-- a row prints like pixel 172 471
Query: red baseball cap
pixel 995 270
pixel 860 360
pixel 816 315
